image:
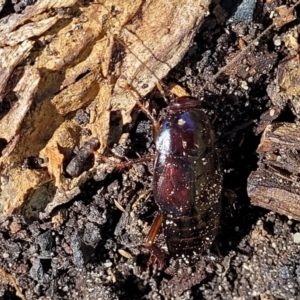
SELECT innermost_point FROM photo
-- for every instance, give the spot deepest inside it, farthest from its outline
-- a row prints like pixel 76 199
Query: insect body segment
pixel 187 178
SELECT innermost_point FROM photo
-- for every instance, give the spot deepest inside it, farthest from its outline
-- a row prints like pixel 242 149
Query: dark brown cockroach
pixel 187 180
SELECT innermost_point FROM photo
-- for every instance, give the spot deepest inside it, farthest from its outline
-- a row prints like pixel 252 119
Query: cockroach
pixel 187 180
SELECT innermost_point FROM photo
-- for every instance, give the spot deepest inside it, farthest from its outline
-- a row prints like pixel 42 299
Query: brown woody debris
pixel 285 15
pixel 275 185
pixel 84 55
pixel 55 162
pixel 286 90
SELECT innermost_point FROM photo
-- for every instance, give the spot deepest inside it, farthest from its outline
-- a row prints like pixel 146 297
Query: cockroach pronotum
pixel 187 180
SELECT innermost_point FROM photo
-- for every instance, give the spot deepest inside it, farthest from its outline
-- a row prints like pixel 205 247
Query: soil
pixel 95 251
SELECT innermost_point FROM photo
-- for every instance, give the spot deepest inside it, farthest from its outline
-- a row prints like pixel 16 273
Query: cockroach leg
pixel 124 164
pixel 157 255
pixel 162 91
pixel 154 230
pixel 131 162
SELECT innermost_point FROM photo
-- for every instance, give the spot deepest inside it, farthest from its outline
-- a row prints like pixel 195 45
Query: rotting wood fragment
pixel 285 92
pixel 83 57
pixel 268 189
pixel 276 185
pixel 285 15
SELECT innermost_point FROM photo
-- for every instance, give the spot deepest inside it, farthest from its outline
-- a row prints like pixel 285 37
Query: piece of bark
pixel 61 197
pixel 10 124
pixel 286 90
pixel 268 189
pixel 85 55
pixel 13 21
pixel 55 164
pixel 27 31
pixel 288 77
pixel 266 118
pixel 275 184
pixel 19 185
pixel 10 57
pixel 290 39
pixel 285 15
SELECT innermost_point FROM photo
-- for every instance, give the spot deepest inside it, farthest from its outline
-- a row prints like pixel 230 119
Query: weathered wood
pixel 87 54
pixel 275 185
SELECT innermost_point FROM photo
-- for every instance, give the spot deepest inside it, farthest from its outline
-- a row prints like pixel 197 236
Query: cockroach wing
pixel 173 185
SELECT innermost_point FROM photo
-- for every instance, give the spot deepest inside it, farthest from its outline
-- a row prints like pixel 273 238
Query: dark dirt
pixel 254 255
